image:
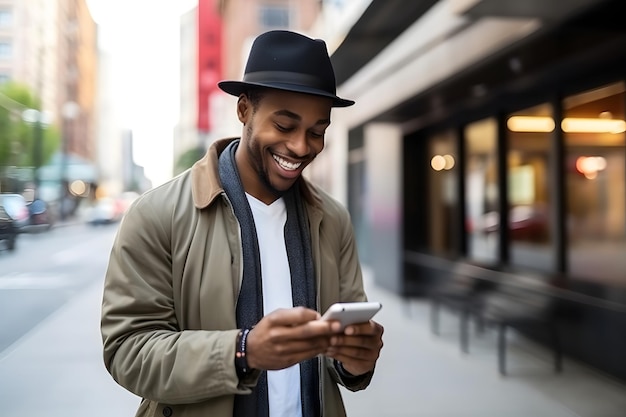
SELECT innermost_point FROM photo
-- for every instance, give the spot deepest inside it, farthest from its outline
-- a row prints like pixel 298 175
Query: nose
pixel 299 145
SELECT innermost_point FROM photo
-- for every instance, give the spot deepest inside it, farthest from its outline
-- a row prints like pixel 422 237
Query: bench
pixel 520 308
pixel 463 294
pixel 490 298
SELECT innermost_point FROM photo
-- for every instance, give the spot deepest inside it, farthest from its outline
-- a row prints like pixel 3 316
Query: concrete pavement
pixel 423 375
pixel 57 370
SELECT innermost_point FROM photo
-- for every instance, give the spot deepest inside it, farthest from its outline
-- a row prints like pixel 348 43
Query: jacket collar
pixel 206 185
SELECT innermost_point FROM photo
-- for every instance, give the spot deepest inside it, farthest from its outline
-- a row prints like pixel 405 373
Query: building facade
pixel 186 135
pixel 472 114
pixel 51 46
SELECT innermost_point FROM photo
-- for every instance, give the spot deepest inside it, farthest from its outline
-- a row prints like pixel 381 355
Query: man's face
pixel 281 136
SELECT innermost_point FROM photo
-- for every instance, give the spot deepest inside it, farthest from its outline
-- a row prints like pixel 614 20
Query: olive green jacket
pixel 168 310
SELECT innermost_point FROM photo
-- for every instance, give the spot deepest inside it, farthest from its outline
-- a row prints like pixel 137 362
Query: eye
pixel 316 135
pixel 282 128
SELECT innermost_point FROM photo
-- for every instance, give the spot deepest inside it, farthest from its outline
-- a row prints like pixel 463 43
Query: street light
pixel 69 112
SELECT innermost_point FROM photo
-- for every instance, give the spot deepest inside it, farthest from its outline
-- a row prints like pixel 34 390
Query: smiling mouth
pixel 286 165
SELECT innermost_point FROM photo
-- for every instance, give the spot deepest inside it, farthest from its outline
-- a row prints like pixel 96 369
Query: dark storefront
pixel 533 137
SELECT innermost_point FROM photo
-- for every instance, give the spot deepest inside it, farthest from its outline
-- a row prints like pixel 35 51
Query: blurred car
pixel 105 210
pixel 17 208
pixel 14 218
pixel 8 232
pixel 526 222
pixel 41 216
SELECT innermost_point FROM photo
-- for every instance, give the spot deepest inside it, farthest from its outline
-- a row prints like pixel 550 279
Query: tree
pixel 17 136
pixel 188 158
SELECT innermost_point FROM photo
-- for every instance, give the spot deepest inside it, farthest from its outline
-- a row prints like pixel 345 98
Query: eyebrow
pixel 297 117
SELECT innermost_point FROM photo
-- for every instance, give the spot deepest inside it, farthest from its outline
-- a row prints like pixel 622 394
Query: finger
pixel 287 355
pixel 355 366
pixel 351 353
pixel 362 342
pixel 291 316
pixel 370 328
pixel 291 347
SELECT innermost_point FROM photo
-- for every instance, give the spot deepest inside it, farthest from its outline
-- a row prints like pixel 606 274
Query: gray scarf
pixel 250 302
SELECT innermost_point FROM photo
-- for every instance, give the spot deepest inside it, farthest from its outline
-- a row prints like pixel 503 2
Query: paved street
pixel 56 370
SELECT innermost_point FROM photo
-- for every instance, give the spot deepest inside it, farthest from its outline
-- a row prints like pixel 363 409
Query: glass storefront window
pixel 443 195
pixel 481 190
pixel 594 127
pixel 529 134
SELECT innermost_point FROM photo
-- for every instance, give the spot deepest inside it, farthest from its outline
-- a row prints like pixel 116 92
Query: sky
pixel 142 39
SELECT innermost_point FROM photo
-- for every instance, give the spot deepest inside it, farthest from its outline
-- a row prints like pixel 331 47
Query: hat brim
pixel 236 88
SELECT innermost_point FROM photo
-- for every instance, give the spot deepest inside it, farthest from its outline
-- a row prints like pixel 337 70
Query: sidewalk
pixel 57 370
pixel 423 375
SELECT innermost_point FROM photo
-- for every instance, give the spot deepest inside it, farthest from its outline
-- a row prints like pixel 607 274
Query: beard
pixel 258 163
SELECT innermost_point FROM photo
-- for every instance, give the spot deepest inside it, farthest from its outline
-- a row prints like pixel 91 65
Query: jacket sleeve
pixel 351 382
pixel 351 289
pixel 144 348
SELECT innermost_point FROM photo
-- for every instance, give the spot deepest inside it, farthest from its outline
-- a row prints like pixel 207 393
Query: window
pixel 595 178
pixel 6 18
pixel 481 190
pixel 443 194
pixel 529 135
pixel 274 16
pixel 6 49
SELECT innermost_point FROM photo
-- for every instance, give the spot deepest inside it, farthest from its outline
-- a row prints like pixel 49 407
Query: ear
pixel 244 108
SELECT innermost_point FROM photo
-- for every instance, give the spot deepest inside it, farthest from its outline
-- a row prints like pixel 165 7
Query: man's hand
pixel 358 347
pixel 286 337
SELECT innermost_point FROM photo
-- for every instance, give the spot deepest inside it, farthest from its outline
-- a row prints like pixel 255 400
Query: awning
pixel 71 168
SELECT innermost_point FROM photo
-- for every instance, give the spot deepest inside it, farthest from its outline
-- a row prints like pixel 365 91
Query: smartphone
pixel 351 313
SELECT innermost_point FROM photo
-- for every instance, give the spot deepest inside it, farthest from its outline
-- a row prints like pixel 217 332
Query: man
pixel 216 279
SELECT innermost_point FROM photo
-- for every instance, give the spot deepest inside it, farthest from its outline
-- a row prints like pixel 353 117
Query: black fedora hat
pixel 288 61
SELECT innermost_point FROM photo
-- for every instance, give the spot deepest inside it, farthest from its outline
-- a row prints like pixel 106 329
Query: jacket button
pixel 167 412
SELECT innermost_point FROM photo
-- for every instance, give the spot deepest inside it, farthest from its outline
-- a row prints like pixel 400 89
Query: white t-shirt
pixel 283 385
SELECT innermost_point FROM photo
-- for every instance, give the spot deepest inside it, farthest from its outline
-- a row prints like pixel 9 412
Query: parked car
pixel 105 210
pixel 8 232
pixel 126 199
pixel 526 222
pixel 41 217
pixel 17 208
pixel 14 217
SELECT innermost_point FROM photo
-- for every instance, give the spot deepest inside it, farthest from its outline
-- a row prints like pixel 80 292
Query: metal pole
pixel 37 151
pixel 70 111
pixel 63 176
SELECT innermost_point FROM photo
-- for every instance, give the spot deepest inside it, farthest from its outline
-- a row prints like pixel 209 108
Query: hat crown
pixel 283 52
pixel 288 61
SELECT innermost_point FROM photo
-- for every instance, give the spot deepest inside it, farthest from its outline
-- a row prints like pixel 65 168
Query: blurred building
pixel 187 135
pixel 200 70
pixel 133 175
pixel 472 114
pixel 109 134
pixel 51 46
pixel 243 21
pixel 78 75
pixel 29 47
pixel 215 40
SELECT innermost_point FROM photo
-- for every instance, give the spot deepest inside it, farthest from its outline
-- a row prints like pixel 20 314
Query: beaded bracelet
pixel 241 362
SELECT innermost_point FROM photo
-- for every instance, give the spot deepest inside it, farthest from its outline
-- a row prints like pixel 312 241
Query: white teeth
pixel 290 166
